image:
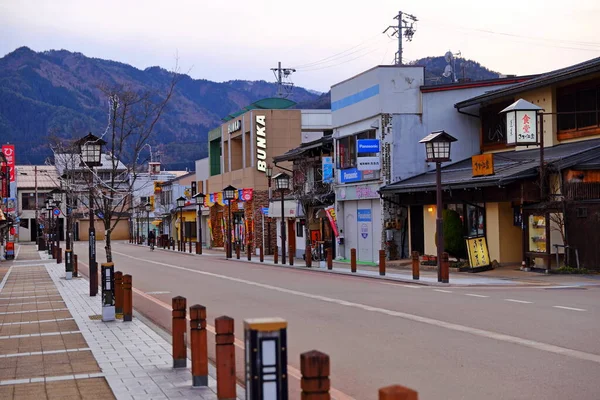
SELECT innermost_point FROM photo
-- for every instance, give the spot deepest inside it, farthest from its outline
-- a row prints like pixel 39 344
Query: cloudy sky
pixel 325 40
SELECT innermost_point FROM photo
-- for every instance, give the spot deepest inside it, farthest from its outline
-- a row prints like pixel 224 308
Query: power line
pixel 341 54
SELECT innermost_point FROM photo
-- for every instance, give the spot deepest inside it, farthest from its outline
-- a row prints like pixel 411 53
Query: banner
pixel 327 169
pixel 246 194
pixel 332 219
pixel 9 153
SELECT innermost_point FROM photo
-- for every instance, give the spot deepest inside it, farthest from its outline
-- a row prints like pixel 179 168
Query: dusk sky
pixel 327 41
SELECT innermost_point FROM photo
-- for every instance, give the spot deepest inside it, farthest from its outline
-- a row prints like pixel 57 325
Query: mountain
pixel 464 70
pixel 57 93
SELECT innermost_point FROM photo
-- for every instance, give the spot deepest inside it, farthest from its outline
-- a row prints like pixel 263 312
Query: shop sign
pixel 9 153
pixel 364 215
pixel 327 165
pixel 521 127
pixel 261 143
pixel 482 165
pixel 265 211
pixel 368 163
pixel 350 175
pixel 234 126
pixel 358 192
pixel 478 252
pixel 367 146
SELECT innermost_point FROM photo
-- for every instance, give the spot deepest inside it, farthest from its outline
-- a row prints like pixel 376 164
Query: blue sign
pixel 56 211
pixel 350 175
pixel 364 231
pixel 364 215
pixel 368 146
pixel 327 169
pixel 100 214
pixel 265 211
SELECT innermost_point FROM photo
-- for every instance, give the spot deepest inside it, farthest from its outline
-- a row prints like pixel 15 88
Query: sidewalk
pixel 67 352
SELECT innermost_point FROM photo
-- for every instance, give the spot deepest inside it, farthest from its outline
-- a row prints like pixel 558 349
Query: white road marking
pixel 400 284
pixel 442 291
pixel 475 295
pixel 570 308
pixel 550 348
pixel 519 301
pixel 158 292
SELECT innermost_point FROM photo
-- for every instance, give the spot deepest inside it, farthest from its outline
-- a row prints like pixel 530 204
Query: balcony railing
pixel 582 191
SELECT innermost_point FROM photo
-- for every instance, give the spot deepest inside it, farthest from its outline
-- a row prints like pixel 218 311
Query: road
pixel 446 343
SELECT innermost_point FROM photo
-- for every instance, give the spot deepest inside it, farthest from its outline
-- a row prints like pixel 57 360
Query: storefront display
pixel 537 234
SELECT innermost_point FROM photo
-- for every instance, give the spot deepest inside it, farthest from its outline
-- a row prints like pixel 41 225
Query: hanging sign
pixel 478 252
pixel 521 127
pixel 482 164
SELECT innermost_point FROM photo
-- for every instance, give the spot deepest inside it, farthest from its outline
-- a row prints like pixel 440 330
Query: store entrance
pixel 239 228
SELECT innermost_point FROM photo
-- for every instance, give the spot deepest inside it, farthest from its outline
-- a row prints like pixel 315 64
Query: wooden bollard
pixel 75 266
pixel 59 256
pixel 249 251
pixel 276 255
pixel 308 256
pixel 353 260
pixel 415 265
pixel 330 258
pixel 199 345
pixel 190 242
pixel 261 253
pixel 127 298
pixel 315 382
pixel 237 252
pixel 178 330
pixel 382 262
pixel 445 265
pixel 224 339
pixel 118 292
pixel 397 392
pixel 291 256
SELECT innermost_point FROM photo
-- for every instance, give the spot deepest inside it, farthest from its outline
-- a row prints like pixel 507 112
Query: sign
pixel 56 212
pixel 364 215
pixel 521 127
pixel 367 146
pixel 482 165
pixel 261 143
pixel 234 126
pixel 478 252
pixel 265 211
pixel 364 231
pixel 9 153
pixel 368 163
pixel 327 165
pixel 330 211
pixel 350 175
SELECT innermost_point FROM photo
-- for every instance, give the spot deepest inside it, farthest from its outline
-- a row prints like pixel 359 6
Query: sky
pixel 326 41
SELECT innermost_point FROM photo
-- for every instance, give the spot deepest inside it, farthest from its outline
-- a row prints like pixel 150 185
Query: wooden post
pixel 198 251
pixel 445 265
pixel 415 265
pixel 315 383
pixel 237 252
pixel 178 330
pixel 127 298
pixel 291 255
pixel 308 256
pixel 353 260
pixel 276 255
pixel 249 251
pixel 190 246
pixel 397 392
pixel 199 345
pixel 330 258
pixel 382 262
pixel 262 253
pixel 224 339
pixel 118 292
pixel 75 266
pixel 59 256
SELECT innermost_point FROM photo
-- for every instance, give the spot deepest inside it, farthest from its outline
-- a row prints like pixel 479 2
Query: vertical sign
pixel 9 153
pixel 521 127
pixel 478 252
pixel 327 169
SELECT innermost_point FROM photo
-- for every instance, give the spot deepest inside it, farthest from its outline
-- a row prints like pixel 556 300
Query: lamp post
pixel 229 195
pixel 90 150
pixel 137 225
pixel 148 207
pixel 437 148
pixel 199 198
pixel 269 173
pixel 49 227
pixel 282 183
pixel 180 205
pixel 55 194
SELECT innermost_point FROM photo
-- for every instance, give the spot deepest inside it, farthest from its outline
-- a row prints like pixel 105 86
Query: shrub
pixel 454 241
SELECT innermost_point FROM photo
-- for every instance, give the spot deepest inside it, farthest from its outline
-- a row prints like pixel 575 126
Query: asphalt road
pixel 446 343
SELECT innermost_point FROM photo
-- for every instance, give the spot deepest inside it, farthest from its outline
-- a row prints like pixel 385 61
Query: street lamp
pixel 282 183
pixel 49 242
pixel 199 198
pixel 180 205
pixel 229 195
pixel 437 148
pixel 137 225
pixel 148 207
pixel 269 173
pixel 90 150
pixel 55 194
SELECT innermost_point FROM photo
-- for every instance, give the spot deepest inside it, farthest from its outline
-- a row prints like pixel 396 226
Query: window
pixel 475 220
pixel 493 125
pixel 28 200
pixel 578 108
pixel 346 152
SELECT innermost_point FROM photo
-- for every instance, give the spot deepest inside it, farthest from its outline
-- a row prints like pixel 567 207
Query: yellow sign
pixel 151 203
pixel 483 164
pixel 478 252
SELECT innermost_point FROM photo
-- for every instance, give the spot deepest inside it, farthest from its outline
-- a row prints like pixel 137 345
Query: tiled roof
pixel 47 177
pixel 509 166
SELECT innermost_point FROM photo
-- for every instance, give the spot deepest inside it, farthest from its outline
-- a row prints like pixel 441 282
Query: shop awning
pixel 290 208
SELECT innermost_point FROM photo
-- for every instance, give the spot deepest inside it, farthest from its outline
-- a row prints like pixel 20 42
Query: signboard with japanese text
pixel 521 127
pixel 483 164
pixel 364 215
pixel 478 252
pixel 327 169
pixel 368 163
pixel 9 153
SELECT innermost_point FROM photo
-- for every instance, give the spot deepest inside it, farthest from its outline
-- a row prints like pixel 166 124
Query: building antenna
pixel 284 84
pixel 404 30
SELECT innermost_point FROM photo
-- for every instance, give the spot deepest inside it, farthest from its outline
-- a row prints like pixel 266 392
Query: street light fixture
pixel 55 194
pixel 180 205
pixel 282 183
pixel 437 148
pixel 199 198
pixel 49 242
pixel 229 195
pixel 269 173
pixel 90 150
pixel 148 207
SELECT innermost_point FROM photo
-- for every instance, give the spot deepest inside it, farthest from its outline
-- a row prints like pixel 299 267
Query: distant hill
pixel 464 70
pixel 57 92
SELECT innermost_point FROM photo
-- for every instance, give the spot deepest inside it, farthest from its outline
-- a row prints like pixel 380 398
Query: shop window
pixel 537 233
pixel 300 228
pixel 475 220
pixel 493 125
pixel 578 108
pixel 28 200
pixel 346 152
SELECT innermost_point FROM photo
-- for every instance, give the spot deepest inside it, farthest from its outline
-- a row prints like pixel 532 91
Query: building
pixel 526 209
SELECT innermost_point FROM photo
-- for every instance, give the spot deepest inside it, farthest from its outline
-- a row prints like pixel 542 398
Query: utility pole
pixel 284 89
pixel 404 29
